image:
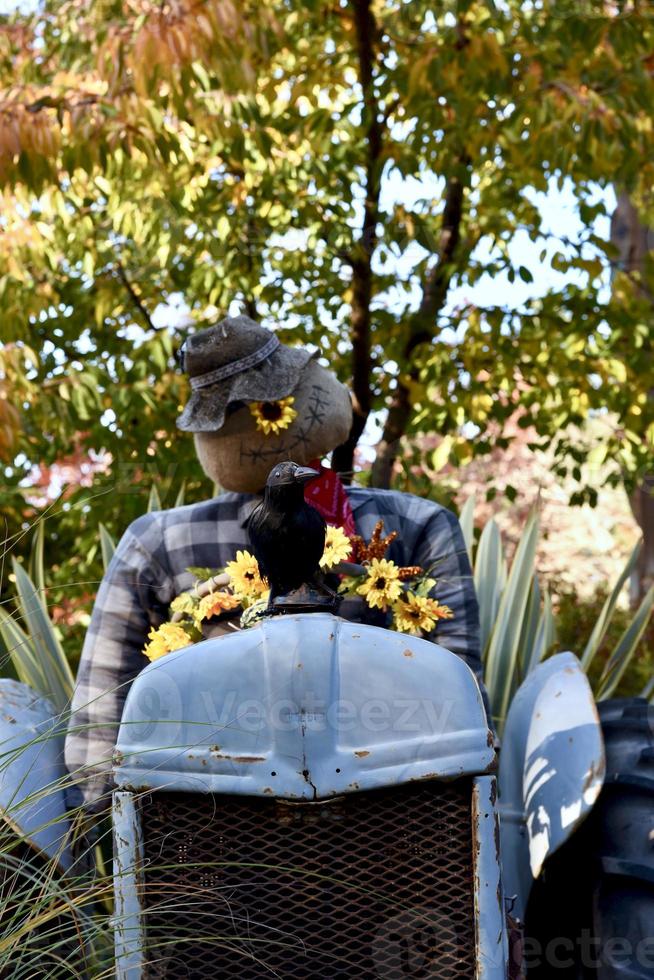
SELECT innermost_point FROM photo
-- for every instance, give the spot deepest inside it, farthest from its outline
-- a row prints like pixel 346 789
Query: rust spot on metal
pixel 118 757
pixel 214 748
pixel 362 753
pixel 248 758
pixel 593 774
pixel 268 789
pixel 490 739
pixel 300 666
pixel 407 653
pixel 353 786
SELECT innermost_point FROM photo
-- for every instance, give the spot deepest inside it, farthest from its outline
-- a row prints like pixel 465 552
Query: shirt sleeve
pixel 441 551
pixel 132 598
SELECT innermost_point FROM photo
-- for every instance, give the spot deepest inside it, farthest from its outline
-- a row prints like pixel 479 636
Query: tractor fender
pixel 551 771
pixel 32 771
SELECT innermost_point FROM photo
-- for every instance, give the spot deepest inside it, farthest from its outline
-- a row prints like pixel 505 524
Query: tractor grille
pixel 370 885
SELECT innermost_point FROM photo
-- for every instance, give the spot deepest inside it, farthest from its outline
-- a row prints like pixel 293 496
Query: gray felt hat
pixel 235 361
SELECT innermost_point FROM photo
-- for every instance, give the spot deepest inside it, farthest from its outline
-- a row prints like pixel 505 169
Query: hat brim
pixel 274 378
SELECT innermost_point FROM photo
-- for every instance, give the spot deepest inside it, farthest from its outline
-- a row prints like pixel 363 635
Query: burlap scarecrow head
pixel 255 402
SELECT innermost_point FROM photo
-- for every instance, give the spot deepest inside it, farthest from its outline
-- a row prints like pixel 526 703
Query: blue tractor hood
pixel 302 707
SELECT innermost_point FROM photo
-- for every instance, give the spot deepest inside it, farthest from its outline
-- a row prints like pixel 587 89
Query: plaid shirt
pixel 149 568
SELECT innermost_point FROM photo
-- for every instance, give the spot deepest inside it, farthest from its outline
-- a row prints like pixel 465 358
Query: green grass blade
pixel 625 648
pixel 503 648
pixel 56 670
pixel 154 500
pixel 488 579
pixel 107 546
pixel 605 616
pixel 467 522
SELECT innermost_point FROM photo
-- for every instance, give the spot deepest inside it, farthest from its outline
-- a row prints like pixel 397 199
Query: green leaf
pixel 202 574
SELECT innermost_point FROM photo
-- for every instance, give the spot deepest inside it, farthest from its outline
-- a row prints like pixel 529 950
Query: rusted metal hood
pixel 302 707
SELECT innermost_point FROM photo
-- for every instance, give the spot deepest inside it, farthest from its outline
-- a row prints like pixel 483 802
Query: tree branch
pixel 422 330
pixel 361 259
pixel 134 296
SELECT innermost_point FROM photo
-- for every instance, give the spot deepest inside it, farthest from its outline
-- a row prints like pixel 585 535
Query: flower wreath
pixel 379 581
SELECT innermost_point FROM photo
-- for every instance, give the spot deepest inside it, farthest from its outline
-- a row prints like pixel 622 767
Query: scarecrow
pixel 254 402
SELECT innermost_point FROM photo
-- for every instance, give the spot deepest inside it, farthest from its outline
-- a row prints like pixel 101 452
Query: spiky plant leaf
pixel 604 618
pixel 503 647
pixel 47 648
pixel 467 522
pixel 154 500
pixel 625 648
pixel 107 545
pixel 488 579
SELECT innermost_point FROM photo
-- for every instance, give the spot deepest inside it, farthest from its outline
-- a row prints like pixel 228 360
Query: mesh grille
pixel 371 885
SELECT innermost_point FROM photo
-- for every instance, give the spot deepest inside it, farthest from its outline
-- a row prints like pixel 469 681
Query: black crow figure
pixel 287 535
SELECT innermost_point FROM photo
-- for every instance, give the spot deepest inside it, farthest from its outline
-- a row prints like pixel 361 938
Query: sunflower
pixel 164 640
pixel 273 416
pixel 417 614
pixel 213 604
pixel 185 604
pixel 246 579
pixel 337 547
pixel 382 585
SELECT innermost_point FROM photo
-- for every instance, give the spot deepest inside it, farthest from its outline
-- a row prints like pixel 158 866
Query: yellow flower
pixel 382 586
pixel 185 603
pixel 438 611
pixel 273 416
pixel 244 573
pixel 213 604
pixel 337 547
pixel 164 640
pixel 418 614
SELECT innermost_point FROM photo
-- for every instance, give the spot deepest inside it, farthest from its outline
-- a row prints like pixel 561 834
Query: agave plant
pixel 518 625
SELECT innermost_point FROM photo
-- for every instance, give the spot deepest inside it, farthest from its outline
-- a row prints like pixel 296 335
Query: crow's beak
pixel 304 473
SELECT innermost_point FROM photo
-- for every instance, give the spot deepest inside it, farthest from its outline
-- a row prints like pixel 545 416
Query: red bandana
pixel 327 494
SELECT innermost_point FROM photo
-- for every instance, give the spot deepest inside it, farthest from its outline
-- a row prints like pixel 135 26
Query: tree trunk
pixel 633 241
pixel 422 330
pixel 361 260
